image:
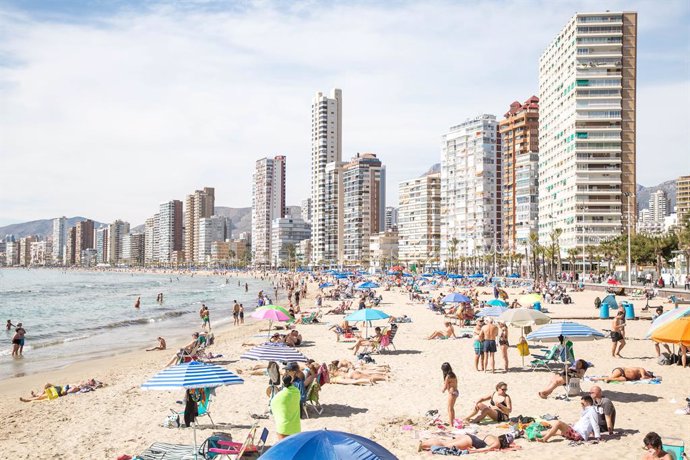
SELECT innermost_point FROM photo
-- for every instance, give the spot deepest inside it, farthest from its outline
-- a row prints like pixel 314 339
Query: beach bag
pixel 172 420
pixel 212 442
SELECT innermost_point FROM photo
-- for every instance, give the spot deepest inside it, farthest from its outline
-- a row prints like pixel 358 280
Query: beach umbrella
pixel 275 307
pixel 453 276
pixel 529 299
pixel 456 297
pixel 366 315
pixel 610 301
pixel 665 318
pixel 497 303
pixel 523 317
pixel 368 285
pixel 476 276
pixel 613 282
pixel 274 352
pixel 513 275
pixel 494 311
pixel 325 285
pixel 327 445
pixel 674 331
pixel 271 315
pixel 189 376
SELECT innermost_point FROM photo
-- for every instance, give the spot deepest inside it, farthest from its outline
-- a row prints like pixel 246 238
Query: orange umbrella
pixel 676 331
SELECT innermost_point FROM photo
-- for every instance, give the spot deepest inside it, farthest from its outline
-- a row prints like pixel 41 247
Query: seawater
pixel 74 316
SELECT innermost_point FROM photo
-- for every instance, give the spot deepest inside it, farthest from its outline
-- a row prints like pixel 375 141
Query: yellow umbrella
pixel 529 299
pixel 676 331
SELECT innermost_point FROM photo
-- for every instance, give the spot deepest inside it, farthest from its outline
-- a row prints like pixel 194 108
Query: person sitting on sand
pixel 375 340
pixel 576 371
pixel 161 345
pixel 341 329
pixel 472 443
pixel 499 407
pixel 655 448
pixel 448 333
pixel 293 339
pixel 354 376
pixel 187 349
pixel 622 374
pixel 581 431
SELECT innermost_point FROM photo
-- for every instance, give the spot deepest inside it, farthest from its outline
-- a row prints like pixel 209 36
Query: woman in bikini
pixel 450 384
pixel 499 407
pixel 353 376
pixel 472 443
pixel 503 343
pixel 557 380
pixel 623 374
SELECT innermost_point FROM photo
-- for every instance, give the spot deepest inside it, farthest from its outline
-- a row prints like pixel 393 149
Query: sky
pixel 109 108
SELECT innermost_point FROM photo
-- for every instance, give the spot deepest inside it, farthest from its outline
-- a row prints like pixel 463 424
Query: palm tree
pixel 535 248
pixel 683 234
pixel 453 248
pixel 572 257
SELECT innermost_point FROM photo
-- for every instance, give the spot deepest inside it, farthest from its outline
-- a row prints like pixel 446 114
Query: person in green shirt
pixel 286 409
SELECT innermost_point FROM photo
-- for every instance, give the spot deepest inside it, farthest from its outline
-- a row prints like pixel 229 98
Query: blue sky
pixel 108 108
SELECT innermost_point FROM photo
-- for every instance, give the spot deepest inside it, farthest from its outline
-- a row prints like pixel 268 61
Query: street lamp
pixel 629 195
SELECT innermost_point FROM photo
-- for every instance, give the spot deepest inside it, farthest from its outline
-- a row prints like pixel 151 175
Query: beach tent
pixel 327 445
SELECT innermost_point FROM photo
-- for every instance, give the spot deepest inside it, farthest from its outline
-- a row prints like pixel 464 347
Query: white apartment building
pixel 214 228
pixel 40 253
pixel 59 239
pixel 268 203
pixel 653 219
pixel 364 205
pixel 471 189
pixel 305 208
pixel 326 158
pixel 419 219
pixel 117 230
pixel 587 88
pixel 102 247
pixel 170 230
pixel 383 249
pixel 197 205
pixel 287 234
pixel 391 218
pixel 526 198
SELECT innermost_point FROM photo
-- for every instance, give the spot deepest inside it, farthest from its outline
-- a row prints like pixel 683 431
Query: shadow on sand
pixel 618 396
pixel 401 352
pixel 341 410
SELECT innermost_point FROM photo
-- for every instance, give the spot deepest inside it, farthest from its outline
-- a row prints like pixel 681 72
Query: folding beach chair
pixel 235 450
pixel 545 361
pixel 312 399
pixel 675 447
pixel 387 338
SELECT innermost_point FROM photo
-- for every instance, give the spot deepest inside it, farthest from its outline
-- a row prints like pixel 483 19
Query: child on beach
pixel 450 384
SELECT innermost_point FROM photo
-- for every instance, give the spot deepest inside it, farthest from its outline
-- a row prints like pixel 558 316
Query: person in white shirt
pixel 585 427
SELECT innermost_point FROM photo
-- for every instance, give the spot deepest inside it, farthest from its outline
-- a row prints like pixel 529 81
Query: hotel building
pixel 170 230
pixel 419 219
pixel 198 205
pixel 268 203
pixel 59 239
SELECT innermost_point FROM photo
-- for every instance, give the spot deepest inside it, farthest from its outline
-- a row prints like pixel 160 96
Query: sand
pixel 123 419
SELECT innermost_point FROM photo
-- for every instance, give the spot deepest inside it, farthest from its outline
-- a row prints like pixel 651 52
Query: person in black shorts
pixel 499 407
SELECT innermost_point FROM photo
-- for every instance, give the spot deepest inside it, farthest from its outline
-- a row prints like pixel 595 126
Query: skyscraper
pixel 102 246
pixel 519 132
pixel 170 230
pixel 268 203
pixel 682 197
pixel 587 92
pixel 59 239
pixel 210 230
pixel 198 205
pixel 83 239
pixel 419 219
pixel 150 234
pixel 471 189
pixel 364 204
pixel 326 158
pixel 117 230
pixel 391 219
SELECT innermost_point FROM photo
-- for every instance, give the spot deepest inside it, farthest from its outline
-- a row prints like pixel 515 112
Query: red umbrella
pixel 614 282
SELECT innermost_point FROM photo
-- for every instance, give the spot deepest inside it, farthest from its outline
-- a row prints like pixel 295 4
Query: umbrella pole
pixel 270 323
pixel 195 449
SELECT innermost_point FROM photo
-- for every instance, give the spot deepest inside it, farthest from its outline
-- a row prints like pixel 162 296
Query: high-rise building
pixel 170 229
pixel 419 219
pixel 71 247
pixel 658 205
pixel 136 248
pixel 102 246
pixel 364 205
pixel 117 230
pixel 383 249
pixel 198 205
pixel 210 229
pixel 682 197
pixel 83 239
pixel 25 250
pixel 391 218
pixel 587 150
pixel 326 157
pixel 40 253
pixel 519 132
pixel 268 203
pixel 287 234
pixel 150 232
pixel 59 237
pixel 471 189
pixel 306 210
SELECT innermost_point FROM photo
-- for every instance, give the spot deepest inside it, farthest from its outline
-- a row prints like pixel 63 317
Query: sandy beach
pixel 123 419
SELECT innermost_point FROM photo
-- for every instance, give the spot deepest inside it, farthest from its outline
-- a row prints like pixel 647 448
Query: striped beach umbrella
pixel 492 311
pixel 274 352
pixel 192 375
pixel 575 332
pixel 665 318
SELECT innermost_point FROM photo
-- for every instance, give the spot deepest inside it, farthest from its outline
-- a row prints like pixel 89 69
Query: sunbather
pixel 375 340
pixel 622 374
pixel 578 371
pixel 448 333
pixel 293 339
pixel 161 345
pixel 341 329
pixel 471 442
pixel 499 407
pixel 87 385
pixel 354 377
pixel 191 346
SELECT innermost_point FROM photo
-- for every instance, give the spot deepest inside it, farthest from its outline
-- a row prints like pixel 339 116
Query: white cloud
pixel 109 116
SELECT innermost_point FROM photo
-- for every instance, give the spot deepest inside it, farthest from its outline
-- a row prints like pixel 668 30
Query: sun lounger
pixel 165 451
pixel 387 338
pixel 312 399
pixel 675 447
pixel 545 361
pixel 235 450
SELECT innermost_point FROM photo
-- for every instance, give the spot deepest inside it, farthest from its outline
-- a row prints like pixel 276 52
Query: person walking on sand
pixel 450 384
pixel 618 334
pixel 478 346
pixel 18 340
pixel 137 304
pixel 503 343
pixel 490 331
pixel 161 345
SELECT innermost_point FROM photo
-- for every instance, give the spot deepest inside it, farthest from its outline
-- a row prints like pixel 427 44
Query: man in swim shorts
pixel 490 331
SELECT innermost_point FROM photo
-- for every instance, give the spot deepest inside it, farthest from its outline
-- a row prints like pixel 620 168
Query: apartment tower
pixel 169 230
pixel 363 206
pixel 118 230
pixel 682 197
pixel 471 190
pixel 519 131
pixel 587 92
pixel 268 203
pixel 419 219
pixel 326 159
pixel 59 239
pixel 83 239
pixel 197 205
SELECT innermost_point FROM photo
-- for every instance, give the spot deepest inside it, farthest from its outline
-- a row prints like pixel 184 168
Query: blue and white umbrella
pixel 274 352
pixel 325 285
pixel 192 375
pixel 368 285
pixel 573 331
pixel 455 297
pixel 495 311
pixel 665 318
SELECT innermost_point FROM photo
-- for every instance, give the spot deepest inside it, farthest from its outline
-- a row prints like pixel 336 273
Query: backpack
pixel 212 442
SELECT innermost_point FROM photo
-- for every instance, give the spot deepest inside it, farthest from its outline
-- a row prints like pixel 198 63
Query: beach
pixel 121 418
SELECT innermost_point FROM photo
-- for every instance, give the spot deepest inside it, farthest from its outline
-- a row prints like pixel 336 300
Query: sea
pixel 72 316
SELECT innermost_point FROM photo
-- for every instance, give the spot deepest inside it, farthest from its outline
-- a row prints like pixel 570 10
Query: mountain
pixel 42 228
pixel 242 217
pixel 643 194
pixel 435 168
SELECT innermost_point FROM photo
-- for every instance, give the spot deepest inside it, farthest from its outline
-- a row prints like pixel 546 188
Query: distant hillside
pixel 242 217
pixel 643 194
pixel 42 228
pixel 435 168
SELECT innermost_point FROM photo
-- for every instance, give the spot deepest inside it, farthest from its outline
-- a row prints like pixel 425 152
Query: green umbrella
pixel 276 307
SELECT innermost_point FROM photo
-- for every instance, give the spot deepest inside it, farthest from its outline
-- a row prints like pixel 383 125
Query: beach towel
pixel 654 381
pixel 322 375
